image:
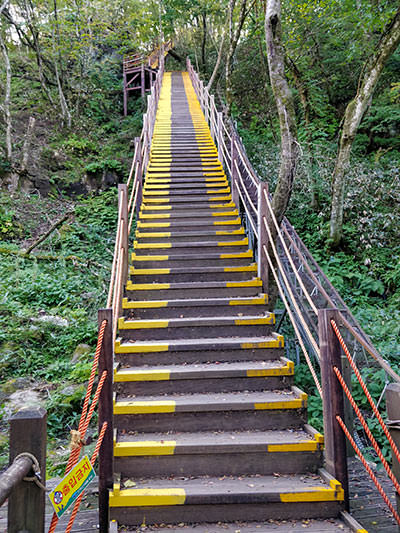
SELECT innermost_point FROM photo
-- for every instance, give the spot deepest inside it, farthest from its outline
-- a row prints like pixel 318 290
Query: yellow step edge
pixel 148 271
pixel 298 403
pixel 143 304
pixel 242 242
pixel 278 342
pixel 335 492
pixel 153 224
pixel 167 186
pixel 126 375
pixel 144 448
pixel 149 257
pixel 287 370
pixel 164 234
pixel 234 255
pixel 245 268
pixel 232 213
pixel 147 497
pixel 141 324
pixel 155 215
pixel 255 301
pixel 146 286
pixel 234 222
pixel 140 348
pixel 144 407
pixel 255 321
pixel 249 283
pixel 151 245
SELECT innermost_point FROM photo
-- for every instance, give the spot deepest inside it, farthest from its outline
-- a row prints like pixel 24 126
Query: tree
pixel 7 94
pixel 285 107
pixel 354 113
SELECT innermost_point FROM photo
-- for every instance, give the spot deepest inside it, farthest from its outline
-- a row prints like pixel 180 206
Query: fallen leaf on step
pixel 129 483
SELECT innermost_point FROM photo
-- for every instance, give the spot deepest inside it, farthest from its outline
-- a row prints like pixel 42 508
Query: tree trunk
pixel 217 64
pixel 353 115
pixel 234 35
pixel 204 41
pixel 285 107
pixel 7 99
pixel 27 144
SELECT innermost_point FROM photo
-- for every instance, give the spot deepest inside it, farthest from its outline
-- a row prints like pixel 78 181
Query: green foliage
pixel 106 164
pixel 80 146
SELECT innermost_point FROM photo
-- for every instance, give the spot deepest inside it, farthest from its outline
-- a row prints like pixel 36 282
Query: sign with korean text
pixel 71 486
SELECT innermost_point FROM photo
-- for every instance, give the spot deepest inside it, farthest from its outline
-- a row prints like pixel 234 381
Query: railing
pixel 309 298
pixel 22 482
pixel 129 200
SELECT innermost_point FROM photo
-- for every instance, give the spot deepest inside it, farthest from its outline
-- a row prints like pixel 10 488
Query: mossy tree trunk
pixel 353 115
pixel 7 98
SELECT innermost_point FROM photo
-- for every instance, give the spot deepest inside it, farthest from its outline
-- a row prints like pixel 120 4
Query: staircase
pixel 209 427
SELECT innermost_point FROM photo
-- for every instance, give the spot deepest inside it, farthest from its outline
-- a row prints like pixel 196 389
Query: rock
pixel 14 384
pixel 80 350
pixel 52 319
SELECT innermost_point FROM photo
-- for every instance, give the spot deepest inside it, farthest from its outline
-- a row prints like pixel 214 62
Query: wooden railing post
pixel 393 413
pixel 142 81
pixel 125 96
pixel 138 148
pixel 26 504
pixel 262 237
pixel 123 199
pixel 106 453
pixel 212 119
pixel 206 104
pixel 234 172
pixel 333 405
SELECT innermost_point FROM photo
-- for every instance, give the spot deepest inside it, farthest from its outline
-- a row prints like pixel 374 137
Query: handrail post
pixel 138 148
pixel 106 453
pixel 219 136
pixel 206 104
pixel 234 172
pixel 26 504
pixel 333 404
pixel 142 81
pixel 125 95
pixel 262 237
pixel 393 413
pixel 123 202
pixel 212 123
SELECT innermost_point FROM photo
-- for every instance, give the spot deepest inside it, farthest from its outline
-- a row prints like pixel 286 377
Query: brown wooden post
pixel 212 118
pixel 234 172
pixel 206 104
pixel 262 237
pixel 142 81
pixel 106 453
pixel 393 413
pixel 26 504
pixel 333 405
pixel 125 96
pixel 138 148
pixel 123 199
pixel 348 409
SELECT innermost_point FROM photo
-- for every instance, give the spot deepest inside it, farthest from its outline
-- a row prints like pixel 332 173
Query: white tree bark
pixel 218 62
pixel 354 113
pixel 7 98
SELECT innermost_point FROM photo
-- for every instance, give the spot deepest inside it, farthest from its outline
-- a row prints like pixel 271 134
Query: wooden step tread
pixel 240 343
pixel 262 299
pixel 278 367
pixel 282 441
pixel 193 270
pixel 253 282
pixel 267 319
pixel 240 401
pixel 228 490
pixel 206 255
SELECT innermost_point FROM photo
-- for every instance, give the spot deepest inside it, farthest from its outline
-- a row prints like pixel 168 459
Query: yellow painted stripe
pixel 146 286
pixel 239 231
pixel 285 404
pixel 255 321
pixel 149 447
pixel 250 283
pixel 261 300
pixel 155 207
pixel 315 494
pixel 148 271
pixel 141 324
pixel 154 224
pixel 242 242
pixel 156 215
pixel 287 370
pixel 164 234
pixel 233 255
pixel 140 348
pixel 246 268
pixel 151 245
pixel 302 446
pixel 126 375
pixel 276 343
pixel 149 257
pixel 227 222
pixel 226 214
pixel 147 497
pixel 143 304
pixel 136 408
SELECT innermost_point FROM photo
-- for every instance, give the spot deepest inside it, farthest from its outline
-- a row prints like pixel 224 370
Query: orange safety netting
pixel 368 469
pixel 85 420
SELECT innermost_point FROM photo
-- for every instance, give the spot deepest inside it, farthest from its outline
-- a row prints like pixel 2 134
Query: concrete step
pixel 206 208
pixel 198 289
pixel 195 307
pixel 212 411
pixel 201 273
pixel 175 199
pixel 192 247
pixel 234 453
pixel 228 499
pixel 143 260
pixel 195 327
pixel 204 377
pixel 201 218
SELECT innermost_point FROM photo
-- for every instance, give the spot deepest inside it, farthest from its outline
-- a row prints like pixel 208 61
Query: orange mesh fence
pixel 368 469
pixel 86 416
